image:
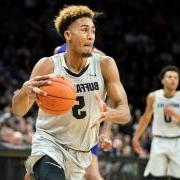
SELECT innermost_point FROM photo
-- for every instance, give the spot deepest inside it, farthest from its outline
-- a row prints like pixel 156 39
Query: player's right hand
pixel 31 87
pixel 105 142
pixel 137 147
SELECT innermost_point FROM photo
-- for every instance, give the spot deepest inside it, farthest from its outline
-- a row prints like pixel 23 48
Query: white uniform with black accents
pixel 70 135
pixel 164 158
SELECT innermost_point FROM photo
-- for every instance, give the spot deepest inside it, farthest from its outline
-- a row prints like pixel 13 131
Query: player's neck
pixel 75 63
pixel 169 93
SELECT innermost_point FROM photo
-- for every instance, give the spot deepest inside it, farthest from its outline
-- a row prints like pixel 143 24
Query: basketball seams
pixel 59 92
pixel 57 97
pixel 53 112
pixel 62 110
pixel 65 83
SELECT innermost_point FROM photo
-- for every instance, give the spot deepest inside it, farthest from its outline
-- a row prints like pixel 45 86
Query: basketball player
pixel 92 171
pixel 164 160
pixel 61 144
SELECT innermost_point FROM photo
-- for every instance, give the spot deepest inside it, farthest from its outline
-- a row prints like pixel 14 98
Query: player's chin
pixel 87 54
pixel 173 87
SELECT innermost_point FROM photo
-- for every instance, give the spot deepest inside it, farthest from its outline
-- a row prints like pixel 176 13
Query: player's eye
pixel 93 31
pixel 84 29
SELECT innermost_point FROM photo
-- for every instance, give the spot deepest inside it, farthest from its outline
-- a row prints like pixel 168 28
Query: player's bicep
pixel 116 93
pixel 114 88
pixel 149 106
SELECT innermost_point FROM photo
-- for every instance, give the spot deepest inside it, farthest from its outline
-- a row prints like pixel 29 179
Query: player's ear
pixel 67 35
pixel 162 81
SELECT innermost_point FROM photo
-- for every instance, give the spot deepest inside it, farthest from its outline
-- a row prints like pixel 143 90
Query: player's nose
pixel 91 36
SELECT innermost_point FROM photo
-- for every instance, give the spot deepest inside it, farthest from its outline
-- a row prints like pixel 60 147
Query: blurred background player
pixel 164 160
pixel 105 143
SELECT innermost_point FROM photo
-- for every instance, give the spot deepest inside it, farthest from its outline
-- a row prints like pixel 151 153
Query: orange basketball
pixel 61 96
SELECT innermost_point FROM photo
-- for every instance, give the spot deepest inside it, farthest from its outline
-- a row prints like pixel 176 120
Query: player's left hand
pixel 168 110
pixel 105 142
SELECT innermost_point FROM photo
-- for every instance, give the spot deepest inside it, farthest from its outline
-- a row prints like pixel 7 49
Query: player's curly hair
pixel 69 14
pixel 168 68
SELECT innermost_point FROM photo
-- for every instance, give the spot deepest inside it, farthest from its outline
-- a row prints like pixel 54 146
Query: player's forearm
pixel 106 128
pixel 141 128
pixel 21 102
pixel 120 115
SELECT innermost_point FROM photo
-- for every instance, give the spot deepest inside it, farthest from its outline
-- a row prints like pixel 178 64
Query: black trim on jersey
pixel 166 137
pixel 74 74
pixel 169 97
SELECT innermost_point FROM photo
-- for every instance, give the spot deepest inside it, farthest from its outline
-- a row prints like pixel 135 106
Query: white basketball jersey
pixel 73 128
pixel 163 125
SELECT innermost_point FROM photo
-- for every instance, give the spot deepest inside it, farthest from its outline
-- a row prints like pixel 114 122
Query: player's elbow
pixel 124 115
pixel 126 118
pixel 17 112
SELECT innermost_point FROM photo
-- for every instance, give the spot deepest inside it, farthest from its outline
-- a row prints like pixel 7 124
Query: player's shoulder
pixel 177 94
pixel 158 93
pixel 45 61
pixel 106 60
pixel 152 95
pixel 45 65
pixel 108 68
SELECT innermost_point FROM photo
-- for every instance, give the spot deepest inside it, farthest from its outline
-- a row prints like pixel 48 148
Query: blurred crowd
pixel 141 35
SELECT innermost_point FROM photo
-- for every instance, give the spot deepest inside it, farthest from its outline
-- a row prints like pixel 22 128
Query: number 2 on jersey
pixel 76 110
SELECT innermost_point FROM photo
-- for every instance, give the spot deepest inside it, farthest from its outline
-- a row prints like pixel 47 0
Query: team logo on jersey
pixel 162 105
pixel 92 75
pixel 87 87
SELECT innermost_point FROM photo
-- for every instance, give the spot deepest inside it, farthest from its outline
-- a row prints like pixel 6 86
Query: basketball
pixel 61 96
